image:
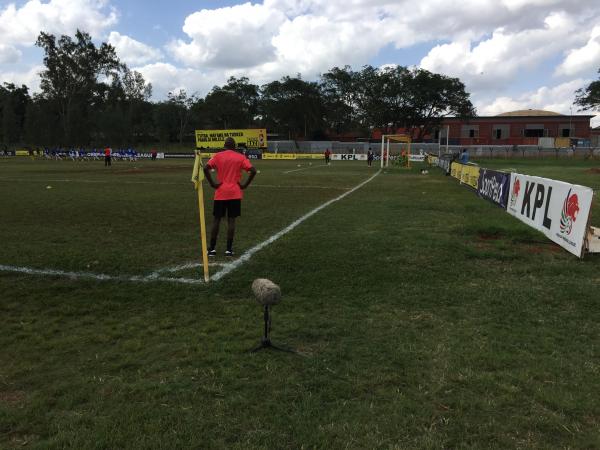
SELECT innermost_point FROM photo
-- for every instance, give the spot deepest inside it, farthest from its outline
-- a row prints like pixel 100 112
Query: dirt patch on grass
pixel 594 170
pixel 13 399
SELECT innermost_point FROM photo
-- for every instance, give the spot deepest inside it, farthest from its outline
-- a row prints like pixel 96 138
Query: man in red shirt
pixel 327 156
pixel 228 191
pixel 107 156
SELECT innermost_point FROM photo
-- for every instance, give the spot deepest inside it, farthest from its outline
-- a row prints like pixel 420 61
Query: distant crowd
pixel 75 154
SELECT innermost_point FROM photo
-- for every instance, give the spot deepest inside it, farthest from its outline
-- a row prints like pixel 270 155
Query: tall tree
pixel 234 105
pixel 339 97
pixel 71 79
pixel 589 97
pixel 182 105
pixel 14 102
pixel 431 97
pixel 293 107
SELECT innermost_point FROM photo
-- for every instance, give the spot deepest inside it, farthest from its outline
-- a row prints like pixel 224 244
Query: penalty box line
pixel 249 253
pixel 97 276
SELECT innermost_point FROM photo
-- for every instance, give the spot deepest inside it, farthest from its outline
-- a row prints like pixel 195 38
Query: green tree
pixel 339 98
pixel 430 98
pixel 293 107
pixel 589 97
pixel 234 105
pixel 14 102
pixel 71 79
pixel 182 106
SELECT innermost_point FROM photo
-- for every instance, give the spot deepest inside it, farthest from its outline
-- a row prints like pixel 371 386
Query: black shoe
pixel 228 252
pixel 212 252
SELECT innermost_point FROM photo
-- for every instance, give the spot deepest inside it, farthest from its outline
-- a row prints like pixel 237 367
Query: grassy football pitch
pixel 424 316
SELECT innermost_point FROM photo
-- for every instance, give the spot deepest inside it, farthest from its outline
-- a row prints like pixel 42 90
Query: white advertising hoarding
pixel 557 209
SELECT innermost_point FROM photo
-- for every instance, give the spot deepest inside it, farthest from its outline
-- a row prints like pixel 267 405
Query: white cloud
pixel 583 59
pixel 233 37
pixel 21 26
pixel 557 98
pixel 495 62
pixel 30 78
pixel 131 51
pixel 167 78
pixel 9 54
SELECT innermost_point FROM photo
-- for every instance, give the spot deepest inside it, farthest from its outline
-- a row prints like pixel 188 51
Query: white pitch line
pixel 179 268
pixel 249 253
pixel 306 168
pixel 97 276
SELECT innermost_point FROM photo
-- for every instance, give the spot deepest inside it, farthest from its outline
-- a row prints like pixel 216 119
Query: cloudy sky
pixel 511 54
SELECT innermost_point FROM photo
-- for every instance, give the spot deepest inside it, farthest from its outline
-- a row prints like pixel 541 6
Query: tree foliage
pixel 88 97
pixel 589 97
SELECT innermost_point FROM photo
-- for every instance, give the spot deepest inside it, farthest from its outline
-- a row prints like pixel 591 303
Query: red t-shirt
pixel 229 165
pixel 107 151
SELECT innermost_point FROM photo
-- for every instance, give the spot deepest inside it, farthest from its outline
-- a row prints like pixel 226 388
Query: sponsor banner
pixel 279 156
pixel 557 209
pixel 149 155
pixel 348 157
pixel 456 170
pixel 29 153
pixel 250 138
pixel 310 156
pixel 253 154
pixel 417 158
pixel 470 175
pixel 185 155
pixel 494 186
pixel 7 153
pixel 444 164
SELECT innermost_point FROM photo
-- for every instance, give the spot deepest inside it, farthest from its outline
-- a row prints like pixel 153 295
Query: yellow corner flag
pixel 197 177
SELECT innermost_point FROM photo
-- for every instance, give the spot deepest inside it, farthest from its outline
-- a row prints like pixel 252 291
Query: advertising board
pixel 250 138
pixel 557 209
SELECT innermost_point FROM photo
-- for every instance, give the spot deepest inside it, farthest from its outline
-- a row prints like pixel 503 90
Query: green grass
pixel 426 317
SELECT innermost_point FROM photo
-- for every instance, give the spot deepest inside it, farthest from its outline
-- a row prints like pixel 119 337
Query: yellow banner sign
pixel 470 176
pixel 279 156
pixel 251 138
pixel 456 170
pixel 466 174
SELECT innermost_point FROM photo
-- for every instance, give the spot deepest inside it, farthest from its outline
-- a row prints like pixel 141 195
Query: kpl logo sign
pixel 557 209
pixel 569 213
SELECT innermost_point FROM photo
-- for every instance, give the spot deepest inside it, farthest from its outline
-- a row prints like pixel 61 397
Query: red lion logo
pixel 517 187
pixel 572 207
pixel 515 192
pixel 569 213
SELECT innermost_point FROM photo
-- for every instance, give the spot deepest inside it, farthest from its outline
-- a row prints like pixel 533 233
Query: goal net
pixel 395 148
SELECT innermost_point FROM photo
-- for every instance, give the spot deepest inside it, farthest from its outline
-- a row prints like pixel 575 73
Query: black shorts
pixel 231 208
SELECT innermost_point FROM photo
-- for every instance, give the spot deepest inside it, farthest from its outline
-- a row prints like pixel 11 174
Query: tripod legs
pixel 265 341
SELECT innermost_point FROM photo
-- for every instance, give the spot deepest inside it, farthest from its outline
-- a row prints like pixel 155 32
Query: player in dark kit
pixel 228 191
pixel 370 157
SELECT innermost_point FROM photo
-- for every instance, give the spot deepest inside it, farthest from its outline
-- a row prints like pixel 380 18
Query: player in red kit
pixel 229 164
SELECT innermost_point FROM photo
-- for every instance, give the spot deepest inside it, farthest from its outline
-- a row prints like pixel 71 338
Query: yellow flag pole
pixel 197 178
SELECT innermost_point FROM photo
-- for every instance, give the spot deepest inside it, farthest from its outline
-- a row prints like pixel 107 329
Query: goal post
pixel 386 139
